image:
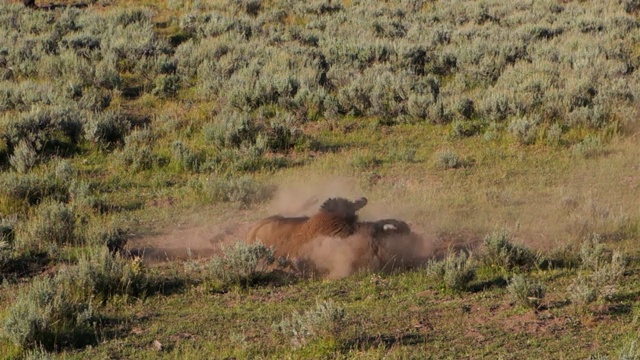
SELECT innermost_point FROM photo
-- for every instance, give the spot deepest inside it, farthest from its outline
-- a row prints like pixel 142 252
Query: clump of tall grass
pixel 325 321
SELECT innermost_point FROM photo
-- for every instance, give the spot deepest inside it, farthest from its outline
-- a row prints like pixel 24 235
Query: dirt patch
pixel 189 242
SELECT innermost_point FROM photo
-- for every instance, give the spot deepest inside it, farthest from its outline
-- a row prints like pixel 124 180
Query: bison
pixel 336 218
pixel 371 240
pixel 367 248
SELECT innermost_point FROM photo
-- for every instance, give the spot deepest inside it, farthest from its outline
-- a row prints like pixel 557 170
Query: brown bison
pixel 372 239
pixel 367 248
pixel 336 218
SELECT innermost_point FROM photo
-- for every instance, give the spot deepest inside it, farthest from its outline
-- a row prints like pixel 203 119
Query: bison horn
pixel 360 203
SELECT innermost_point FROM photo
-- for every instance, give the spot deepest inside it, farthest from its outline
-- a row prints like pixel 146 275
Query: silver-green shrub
pixel 24 157
pixel 243 190
pixel 7 238
pixel 525 291
pixel 185 157
pixel 107 128
pixel 48 314
pixel 448 160
pixel 603 273
pixel 137 153
pixel 32 188
pixel 326 321
pixel 241 265
pixel 500 252
pixel 454 272
pixel 51 223
pixel 589 147
pixel 103 273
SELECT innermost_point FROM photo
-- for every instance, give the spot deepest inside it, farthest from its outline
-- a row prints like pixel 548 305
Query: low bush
pixel 186 158
pixel 51 223
pixel 7 236
pixel 241 265
pixel 365 161
pixel 45 128
pixel 503 254
pixel 592 252
pixel 82 196
pixel 95 100
pixel 465 128
pixel 104 274
pixel 137 153
pixel 525 130
pixel 525 292
pixel 24 157
pixel 589 147
pixel 243 190
pixel 448 159
pixel 47 314
pixel 454 272
pixel 325 321
pixel 602 282
pixel 107 128
pixel 582 291
pixel 32 189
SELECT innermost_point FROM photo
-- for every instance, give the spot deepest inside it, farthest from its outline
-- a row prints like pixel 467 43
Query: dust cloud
pixel 324 256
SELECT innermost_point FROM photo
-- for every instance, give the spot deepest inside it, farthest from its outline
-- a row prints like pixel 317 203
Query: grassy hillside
pixel 508 129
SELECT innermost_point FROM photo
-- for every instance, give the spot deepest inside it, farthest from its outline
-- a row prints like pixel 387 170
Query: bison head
pixel 343 207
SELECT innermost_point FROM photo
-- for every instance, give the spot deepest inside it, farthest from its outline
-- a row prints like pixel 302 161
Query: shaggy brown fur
pixel 337 217
pixel 371 240
pixel 367 248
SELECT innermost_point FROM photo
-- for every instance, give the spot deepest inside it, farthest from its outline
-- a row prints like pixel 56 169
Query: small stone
pixel 157 345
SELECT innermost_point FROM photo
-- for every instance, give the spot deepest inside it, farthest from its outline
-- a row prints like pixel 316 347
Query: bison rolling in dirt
pixel 333 242
pixel 336 218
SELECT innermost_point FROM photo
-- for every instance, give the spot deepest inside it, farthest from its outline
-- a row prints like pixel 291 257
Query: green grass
pixel 535 134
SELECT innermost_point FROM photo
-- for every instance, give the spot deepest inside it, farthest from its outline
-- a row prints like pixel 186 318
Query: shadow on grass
pixel 627 296
pixel 388 341
pixel 170 286
pixel 554 305
pixel 497 282
pixel 618 309
pixel 274 278
pixel 25 266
